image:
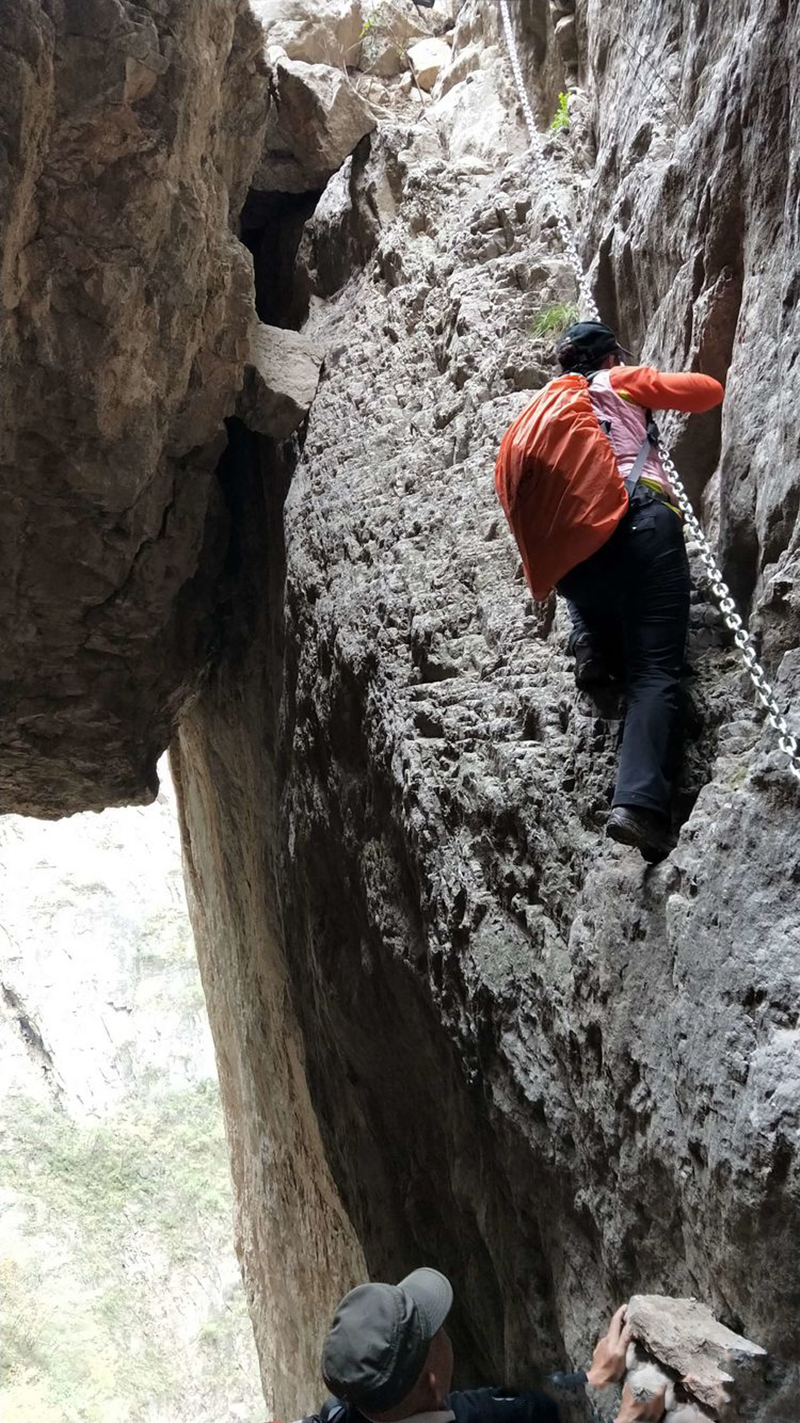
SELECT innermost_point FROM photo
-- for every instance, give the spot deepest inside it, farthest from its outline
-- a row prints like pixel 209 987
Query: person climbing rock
pixel 387 1357
pixel 585 492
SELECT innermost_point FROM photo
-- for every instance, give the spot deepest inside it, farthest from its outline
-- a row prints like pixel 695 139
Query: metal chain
pixel 765 694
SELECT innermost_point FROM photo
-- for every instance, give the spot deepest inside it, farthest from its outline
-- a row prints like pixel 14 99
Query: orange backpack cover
pixel 558 481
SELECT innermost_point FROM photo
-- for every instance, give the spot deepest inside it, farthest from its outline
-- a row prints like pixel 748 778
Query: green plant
pixel 381 29
pixel 560 118
pixel 119 1219
pixel 555 319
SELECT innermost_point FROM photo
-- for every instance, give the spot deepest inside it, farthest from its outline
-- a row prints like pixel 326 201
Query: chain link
pixel 765 695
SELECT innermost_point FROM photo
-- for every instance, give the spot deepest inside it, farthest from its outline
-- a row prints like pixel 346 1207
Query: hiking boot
pixel 646 830
pixel 591 668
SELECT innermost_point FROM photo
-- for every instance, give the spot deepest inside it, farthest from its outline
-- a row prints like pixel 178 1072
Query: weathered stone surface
pixel 280 381
pixel 360 201
pixel 567 41
pixel 474 106
pixel 452 1021
pixel 709 1371
pixel 297 1248
pixel 684 1336
pixel 553 1072
pixel 390 29
pixel 328 33
pixel 316 119
pixel 129 139
pixel 716 145
pixel 428 59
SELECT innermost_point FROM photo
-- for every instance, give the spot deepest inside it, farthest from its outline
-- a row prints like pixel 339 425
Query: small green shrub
pixel 560 118
pixel 555 319
pixel 380 28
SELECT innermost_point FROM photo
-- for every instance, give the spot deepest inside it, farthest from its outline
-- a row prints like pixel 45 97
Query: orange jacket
pixel 557 476
pixel 656 390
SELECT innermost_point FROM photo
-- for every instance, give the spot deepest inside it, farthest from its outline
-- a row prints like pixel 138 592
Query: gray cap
pixel 377 1345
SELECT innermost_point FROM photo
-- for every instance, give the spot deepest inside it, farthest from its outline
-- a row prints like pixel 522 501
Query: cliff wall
pixel 557 1074
pixel 452 1022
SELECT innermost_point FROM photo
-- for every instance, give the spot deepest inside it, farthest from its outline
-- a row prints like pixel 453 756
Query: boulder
pixel 567 40
pixel 280 381
pixel 684 1336
pixel 319 34
pixel 428 58
pixel 388 32
pixel 129 136
pixel 316 119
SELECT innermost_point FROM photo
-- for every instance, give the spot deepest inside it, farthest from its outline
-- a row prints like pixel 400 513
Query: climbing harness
pixel 765 695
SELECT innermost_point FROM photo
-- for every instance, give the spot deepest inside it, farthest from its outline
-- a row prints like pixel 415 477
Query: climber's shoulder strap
pixel 605 425
pixel 332 1411
pixel 650 442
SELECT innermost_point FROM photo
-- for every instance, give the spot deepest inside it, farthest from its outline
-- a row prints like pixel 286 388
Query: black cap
pixel 378 1342
pixel 587 342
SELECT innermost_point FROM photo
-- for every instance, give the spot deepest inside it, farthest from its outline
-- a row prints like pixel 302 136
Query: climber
pixel 583 487
pixel 387 1357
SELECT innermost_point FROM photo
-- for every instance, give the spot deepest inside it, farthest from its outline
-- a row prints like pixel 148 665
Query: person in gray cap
pixel 387 1358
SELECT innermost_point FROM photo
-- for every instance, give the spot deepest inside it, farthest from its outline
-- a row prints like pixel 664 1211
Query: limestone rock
pixel 451 1017
pixel 360 201
pixel 646 1380
pixel 684 1335
pixel 561 1072
pixel 390 29
pixel 319 33
pixel 280 381
pixel 316 120
pixel 129 138
pixel 474 105
pixel 428 59
pixel 567 41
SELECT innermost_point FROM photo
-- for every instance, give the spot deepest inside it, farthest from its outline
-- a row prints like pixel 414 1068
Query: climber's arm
pixel 499 1405
pixel 655 390
pixel 495 1405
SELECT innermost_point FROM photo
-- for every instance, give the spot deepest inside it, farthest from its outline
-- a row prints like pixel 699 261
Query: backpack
pixel 559 483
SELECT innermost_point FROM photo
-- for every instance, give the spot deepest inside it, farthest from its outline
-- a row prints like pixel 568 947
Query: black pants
pixel 634 592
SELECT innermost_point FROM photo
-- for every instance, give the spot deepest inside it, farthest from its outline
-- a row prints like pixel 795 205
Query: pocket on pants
pixel 644 518
pixel 657 550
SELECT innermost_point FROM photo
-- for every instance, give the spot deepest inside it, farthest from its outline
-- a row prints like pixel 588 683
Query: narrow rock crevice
pixel 452 1021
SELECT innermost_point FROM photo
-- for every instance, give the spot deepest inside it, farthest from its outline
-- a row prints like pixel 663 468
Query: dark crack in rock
pixel 130 138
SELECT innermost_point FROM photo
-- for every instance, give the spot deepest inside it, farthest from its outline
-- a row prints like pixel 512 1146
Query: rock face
pixel 558 1076
pixel 280 381
pixel 294 1240
pixel 684 1338
pixel 316 34
pixel 453 1023
pixel 428 58
pixel 130 137
pixel 316 119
